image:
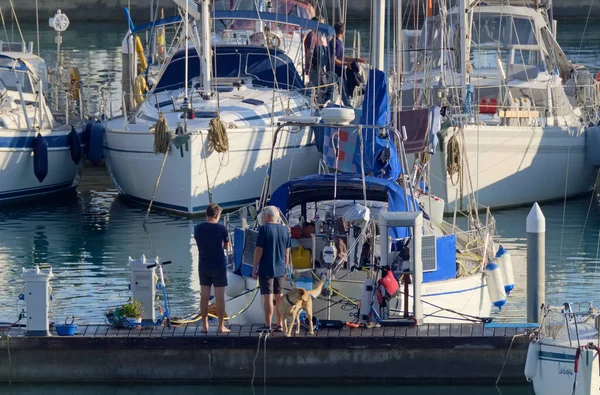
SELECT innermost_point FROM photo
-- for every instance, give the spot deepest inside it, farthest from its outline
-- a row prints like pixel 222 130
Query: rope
pixel 255 358
pixel 12 6
pixel 217 135
pixel 37 26
pixel 4 25
pixel 162 140
pixel 162 144
pixel 506 359
pixel 453 165
pixel 198 317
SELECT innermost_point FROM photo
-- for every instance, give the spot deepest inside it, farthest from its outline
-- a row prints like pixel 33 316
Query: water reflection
pixel 88 241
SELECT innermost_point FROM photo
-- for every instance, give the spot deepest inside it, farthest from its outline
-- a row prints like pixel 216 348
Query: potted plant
pixel 132 311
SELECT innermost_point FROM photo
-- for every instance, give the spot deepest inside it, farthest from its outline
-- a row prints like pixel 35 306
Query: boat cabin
pixel 325 212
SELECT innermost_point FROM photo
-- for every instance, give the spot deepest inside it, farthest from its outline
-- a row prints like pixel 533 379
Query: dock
pixel 429 353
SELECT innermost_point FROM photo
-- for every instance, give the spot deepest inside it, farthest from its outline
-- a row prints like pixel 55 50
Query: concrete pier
pixel 444 354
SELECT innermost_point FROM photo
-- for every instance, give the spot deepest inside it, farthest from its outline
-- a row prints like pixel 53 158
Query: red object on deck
pixel 296 233
pixel 488 105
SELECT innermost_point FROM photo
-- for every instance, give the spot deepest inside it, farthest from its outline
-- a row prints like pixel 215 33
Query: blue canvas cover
pixel 376 111
pixel 320 187
pixel 268 67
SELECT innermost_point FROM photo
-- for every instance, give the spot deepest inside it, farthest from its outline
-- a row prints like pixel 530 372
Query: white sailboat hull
pixel 443 301
pixel 189 180
pixel 512 166
pixel 556 371
pixel 17 178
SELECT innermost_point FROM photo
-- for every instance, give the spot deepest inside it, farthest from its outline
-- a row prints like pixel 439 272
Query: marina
pixel 374 179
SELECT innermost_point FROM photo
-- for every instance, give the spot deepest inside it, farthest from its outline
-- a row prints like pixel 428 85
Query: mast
pixel 187 59
pixel 378 35
pixel 206 47
pixel 399 57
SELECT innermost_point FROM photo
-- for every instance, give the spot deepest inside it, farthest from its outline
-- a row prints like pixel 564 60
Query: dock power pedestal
pixel 37 297
pixel 143 285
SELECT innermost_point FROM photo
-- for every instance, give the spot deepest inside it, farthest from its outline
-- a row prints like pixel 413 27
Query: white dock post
pixel 414 220
pixel 143 285
pixel 536 263
pixel 37 296
pixel 418 269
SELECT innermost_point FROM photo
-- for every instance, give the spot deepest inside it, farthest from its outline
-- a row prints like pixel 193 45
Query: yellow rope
pixel 199 316
pixel 335 291
pixel 217 135
pixel 161 135
pixel 463 271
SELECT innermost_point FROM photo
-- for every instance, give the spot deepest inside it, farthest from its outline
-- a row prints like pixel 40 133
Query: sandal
pixel 278 328
pixel 264 329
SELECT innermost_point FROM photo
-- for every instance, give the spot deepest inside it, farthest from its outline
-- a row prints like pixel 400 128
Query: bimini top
pixel 320 187
pixel 12 62
pixel 268 67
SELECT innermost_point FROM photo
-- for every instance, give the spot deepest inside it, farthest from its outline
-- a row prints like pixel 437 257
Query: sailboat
pixel 40 153
pixel 516 108
pixel 333 221
pixel 217 103
pixel 563 357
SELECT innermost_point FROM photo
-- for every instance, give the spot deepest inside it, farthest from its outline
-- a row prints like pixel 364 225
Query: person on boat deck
pixel 212 238
pixel 315 46
pixel 336 51
pixel 271 259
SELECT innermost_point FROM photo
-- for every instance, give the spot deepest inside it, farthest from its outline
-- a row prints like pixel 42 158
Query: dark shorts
pixel 215 279
pixel 271 286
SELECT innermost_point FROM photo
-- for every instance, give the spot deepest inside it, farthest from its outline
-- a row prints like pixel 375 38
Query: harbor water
pixel 88 237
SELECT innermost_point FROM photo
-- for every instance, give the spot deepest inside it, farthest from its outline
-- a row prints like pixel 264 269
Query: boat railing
pixel 16 46
pixel 563 321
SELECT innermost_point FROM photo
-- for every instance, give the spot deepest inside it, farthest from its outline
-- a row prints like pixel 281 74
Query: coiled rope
pixel 162 139
pixel 453 165
pixel 217 135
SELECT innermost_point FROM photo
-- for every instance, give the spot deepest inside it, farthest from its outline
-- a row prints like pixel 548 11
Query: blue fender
pixel 40 157
pixel 75 146
pixel 96 145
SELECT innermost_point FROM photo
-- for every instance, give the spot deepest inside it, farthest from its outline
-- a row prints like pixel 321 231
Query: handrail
pixel 307 24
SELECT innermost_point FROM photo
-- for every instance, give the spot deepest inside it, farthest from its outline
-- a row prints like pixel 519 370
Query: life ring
pixel 598 81
pixel 74 82
pixel 139 49
pixel 273 41
pixel 139 89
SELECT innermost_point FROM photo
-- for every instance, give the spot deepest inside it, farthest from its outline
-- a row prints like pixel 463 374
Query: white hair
pixel 272 212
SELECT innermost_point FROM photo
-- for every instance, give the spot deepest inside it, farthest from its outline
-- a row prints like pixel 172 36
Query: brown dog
pixel 293 302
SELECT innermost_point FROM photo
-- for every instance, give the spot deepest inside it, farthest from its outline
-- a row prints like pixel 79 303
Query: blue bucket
pixel 67 329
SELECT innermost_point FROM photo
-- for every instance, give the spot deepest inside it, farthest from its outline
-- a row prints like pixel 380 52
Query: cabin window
pixel 9 79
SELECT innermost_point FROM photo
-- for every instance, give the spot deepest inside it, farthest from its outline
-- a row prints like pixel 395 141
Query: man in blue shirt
pixel 212 238
pixel 271 259
pixel 336 52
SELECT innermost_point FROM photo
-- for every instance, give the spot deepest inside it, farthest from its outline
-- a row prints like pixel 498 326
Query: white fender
pixel 495 286
pixel 532 361
pixel 504 261
pixel 235 285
